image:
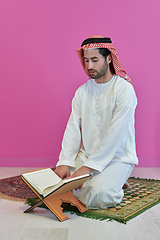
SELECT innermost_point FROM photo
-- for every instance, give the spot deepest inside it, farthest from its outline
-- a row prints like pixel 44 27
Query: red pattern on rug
pixel 15 187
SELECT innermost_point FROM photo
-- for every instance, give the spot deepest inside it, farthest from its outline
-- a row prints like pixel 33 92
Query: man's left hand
pixel 81 171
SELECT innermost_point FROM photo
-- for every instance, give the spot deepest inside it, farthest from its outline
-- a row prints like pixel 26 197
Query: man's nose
pixel 90 65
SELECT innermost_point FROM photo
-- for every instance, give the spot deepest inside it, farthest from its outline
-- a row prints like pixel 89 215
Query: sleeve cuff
pixel 67 163
pixel 94 166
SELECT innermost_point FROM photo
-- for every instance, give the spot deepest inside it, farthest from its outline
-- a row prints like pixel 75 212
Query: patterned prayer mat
pixel 141 195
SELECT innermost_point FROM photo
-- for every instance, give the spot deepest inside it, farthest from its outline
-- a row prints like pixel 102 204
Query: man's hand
pixel 81 171
pixel 62 171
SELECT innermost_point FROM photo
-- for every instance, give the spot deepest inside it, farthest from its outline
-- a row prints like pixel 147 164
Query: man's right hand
pixel 62 171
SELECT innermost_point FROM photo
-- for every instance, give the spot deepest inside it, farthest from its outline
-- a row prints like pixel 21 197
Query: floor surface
pixel 42 225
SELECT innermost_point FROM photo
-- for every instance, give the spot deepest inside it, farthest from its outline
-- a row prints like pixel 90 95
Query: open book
pixel 46 181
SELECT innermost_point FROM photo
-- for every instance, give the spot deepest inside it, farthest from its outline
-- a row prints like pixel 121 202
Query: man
pixel 103 119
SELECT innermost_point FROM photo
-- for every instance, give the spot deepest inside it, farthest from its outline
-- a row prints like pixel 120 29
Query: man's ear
pixel 109 58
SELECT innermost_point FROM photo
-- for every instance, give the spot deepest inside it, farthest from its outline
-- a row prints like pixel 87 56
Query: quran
pixel 46 181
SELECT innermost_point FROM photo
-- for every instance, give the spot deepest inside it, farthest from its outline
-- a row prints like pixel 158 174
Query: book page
pixel 42 178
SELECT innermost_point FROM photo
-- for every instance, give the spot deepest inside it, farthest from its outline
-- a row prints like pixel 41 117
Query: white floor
pixel 42 225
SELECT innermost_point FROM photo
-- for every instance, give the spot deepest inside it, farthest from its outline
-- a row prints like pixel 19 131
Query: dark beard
pixel 101 73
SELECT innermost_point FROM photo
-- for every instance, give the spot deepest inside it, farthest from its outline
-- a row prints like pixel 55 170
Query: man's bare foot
pixel 126 185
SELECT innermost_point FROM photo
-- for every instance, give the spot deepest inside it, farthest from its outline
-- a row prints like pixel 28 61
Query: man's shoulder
pixel 121 83
pixel 124 89
pixel 85 85
pixel 83 89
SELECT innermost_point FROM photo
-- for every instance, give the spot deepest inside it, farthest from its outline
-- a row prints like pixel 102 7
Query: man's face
pixel 95 63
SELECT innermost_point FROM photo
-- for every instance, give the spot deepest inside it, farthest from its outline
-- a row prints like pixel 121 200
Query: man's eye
pixel 95 60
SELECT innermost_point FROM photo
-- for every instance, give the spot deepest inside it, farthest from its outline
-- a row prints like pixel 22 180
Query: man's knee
pixel 100 193
pixel 104 196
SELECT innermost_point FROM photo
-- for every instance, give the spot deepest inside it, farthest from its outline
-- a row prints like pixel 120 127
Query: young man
pixel 103 119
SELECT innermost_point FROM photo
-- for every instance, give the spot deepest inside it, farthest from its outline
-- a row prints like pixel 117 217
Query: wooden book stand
pixel 54 204
pixel 54 201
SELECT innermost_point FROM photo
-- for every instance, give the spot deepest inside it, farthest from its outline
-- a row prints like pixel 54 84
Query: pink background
pixel 40 71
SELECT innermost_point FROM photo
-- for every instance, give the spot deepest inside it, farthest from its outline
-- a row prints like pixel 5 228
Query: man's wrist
pixel 92 171
pixel 86 169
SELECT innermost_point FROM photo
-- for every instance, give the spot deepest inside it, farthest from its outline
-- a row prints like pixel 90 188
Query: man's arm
pixel 72 136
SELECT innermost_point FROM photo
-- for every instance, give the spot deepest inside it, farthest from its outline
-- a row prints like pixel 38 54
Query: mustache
pixel 92 70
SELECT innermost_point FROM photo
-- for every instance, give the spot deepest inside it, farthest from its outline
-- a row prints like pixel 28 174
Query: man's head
pixel 101 58
pixel 106 49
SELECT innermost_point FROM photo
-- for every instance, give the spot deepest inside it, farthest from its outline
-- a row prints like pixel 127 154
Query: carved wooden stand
pixel 55 199
pixel 54 204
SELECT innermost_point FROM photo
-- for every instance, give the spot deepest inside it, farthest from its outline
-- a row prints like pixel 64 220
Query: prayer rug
pixel 141 195
pixel 14 188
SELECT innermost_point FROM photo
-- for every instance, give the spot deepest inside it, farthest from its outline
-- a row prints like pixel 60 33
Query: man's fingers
pixel 68 175
pixel 62 171
pixel 79 187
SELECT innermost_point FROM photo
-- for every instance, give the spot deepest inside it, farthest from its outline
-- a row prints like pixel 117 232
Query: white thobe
pixel 102 118
pixel 104 114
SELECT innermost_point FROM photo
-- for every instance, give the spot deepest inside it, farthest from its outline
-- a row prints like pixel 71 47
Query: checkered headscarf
pixel 97 41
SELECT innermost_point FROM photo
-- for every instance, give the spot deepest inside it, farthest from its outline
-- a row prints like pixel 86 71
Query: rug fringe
pixel 99 217
pixel 14 199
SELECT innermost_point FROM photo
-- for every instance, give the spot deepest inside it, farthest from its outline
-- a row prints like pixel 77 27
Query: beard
pixel 100 73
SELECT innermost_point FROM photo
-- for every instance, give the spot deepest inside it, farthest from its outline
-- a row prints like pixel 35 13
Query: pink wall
pixel 40 71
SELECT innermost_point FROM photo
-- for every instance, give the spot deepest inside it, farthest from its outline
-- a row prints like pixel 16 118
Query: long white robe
pixel 104 113
pixel 103 118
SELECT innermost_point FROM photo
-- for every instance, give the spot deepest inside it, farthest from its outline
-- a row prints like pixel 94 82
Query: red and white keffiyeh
pixel 119 69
